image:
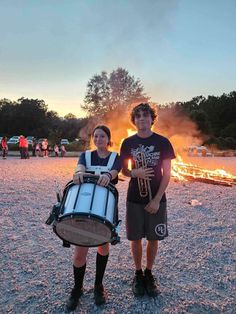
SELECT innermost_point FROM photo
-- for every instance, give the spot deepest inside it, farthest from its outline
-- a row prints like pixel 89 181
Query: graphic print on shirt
pixel 151 157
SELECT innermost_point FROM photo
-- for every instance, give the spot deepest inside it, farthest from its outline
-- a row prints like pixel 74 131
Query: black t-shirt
pixel 153 150
pixel 98 161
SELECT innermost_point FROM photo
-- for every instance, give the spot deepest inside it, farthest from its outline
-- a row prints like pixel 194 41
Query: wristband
pixel 132 174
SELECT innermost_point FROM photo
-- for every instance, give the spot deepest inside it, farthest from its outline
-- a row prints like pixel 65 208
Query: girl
pixel 91 161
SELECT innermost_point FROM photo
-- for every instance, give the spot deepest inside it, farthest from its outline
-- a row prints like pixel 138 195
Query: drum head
pixel 83 230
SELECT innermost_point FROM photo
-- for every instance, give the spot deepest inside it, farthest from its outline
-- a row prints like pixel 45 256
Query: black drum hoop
pixel 88 178
pixel 92 179
pixel 97 218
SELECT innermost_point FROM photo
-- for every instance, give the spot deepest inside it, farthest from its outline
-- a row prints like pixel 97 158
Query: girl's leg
pixel 79 266
pixel 101 263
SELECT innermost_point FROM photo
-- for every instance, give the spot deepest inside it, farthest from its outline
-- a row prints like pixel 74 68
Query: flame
pixel 182 171
pixel 169 126
pixel 129 132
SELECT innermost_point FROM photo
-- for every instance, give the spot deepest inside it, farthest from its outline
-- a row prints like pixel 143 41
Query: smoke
pixel 175 125
pixel 178 128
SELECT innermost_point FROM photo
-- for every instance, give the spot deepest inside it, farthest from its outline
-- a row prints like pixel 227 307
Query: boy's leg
pixel 136 250
pixel 156 229
pixel 151 252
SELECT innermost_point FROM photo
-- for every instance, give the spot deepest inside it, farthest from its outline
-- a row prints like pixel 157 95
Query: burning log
pixel 207 180
pixel 218 174
pixel 183 171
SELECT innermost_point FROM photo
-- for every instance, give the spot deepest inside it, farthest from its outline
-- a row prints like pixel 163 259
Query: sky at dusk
pixel 49 49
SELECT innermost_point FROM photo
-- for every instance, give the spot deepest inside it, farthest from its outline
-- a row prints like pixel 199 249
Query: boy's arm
pixel 153 206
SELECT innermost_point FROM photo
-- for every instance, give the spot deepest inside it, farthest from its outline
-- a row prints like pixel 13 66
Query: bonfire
pixel 182 171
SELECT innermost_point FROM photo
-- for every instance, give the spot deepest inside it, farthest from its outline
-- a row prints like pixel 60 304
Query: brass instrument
pixel 143 184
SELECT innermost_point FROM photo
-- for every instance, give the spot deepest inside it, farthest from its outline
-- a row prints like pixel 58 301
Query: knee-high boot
pixel 77 291
pixel 99 292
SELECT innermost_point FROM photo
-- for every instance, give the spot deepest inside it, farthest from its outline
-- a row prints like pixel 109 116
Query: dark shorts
pixel 141 224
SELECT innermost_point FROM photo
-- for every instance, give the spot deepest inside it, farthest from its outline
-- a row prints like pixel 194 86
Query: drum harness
pixel 97 170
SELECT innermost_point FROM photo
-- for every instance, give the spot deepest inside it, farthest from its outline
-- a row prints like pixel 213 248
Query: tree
pixel 108 92
pixel 200 117
pixel 70 116
pixel 7 116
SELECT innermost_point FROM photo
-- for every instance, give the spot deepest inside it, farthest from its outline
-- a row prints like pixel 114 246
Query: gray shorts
pixel 141 224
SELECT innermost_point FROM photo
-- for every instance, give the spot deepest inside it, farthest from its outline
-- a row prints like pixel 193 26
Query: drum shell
pixel 88 214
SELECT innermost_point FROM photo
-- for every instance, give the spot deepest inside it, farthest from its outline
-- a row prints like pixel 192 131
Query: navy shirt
pixel 98 161
pixel 153 150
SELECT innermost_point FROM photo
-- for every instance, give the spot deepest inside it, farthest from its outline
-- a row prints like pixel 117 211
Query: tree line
pixel 215 116
pixel 31 117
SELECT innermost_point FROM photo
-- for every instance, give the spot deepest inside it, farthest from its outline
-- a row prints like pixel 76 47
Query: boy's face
pixel 143 120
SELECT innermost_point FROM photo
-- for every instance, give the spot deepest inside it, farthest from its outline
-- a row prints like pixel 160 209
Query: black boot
pixel 77 291
pixel 150 284
pixel 99 291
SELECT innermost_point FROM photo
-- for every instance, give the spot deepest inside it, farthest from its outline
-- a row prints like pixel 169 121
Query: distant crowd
pixel 38 148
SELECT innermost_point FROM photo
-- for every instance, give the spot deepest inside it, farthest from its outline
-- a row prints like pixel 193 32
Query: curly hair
pixel 145 107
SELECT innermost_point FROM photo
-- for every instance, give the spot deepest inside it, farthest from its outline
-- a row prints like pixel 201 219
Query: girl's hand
pixel 103 180
pixel 78 177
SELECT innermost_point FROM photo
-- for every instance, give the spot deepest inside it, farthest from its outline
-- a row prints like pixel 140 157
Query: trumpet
pixel 143 184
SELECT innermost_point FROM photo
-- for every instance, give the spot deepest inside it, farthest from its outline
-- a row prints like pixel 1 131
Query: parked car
pixel 64 141
pixel 199 151
pixel 14 140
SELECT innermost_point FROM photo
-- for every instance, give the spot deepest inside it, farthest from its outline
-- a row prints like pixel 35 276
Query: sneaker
pixel 138 287
pixel 150 285
pixel 99 294
pixel 73 300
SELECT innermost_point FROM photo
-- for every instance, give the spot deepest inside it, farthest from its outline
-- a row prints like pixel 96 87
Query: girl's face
pixel 100 139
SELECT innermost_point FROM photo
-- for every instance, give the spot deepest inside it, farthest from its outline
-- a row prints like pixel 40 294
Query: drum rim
pixel 93 217
pixel 83 214
pixel 93 179
pixel 88 178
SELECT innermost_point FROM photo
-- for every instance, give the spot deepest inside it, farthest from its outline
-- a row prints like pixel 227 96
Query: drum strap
pixel 99 169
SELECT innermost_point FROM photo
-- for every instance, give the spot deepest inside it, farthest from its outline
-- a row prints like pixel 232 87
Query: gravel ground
pixel 195 266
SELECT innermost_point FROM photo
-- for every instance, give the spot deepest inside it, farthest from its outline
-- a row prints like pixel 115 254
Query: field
pixel 195 266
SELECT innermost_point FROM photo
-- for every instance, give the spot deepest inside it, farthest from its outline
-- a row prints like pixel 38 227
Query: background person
pixel 63 151
pixel 4 147
pixel 25 148
pixel 37 149
pixel 21 146
pixel 56 150
pixel 44 147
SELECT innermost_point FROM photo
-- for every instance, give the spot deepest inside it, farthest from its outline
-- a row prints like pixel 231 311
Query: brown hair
pixel 143 107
